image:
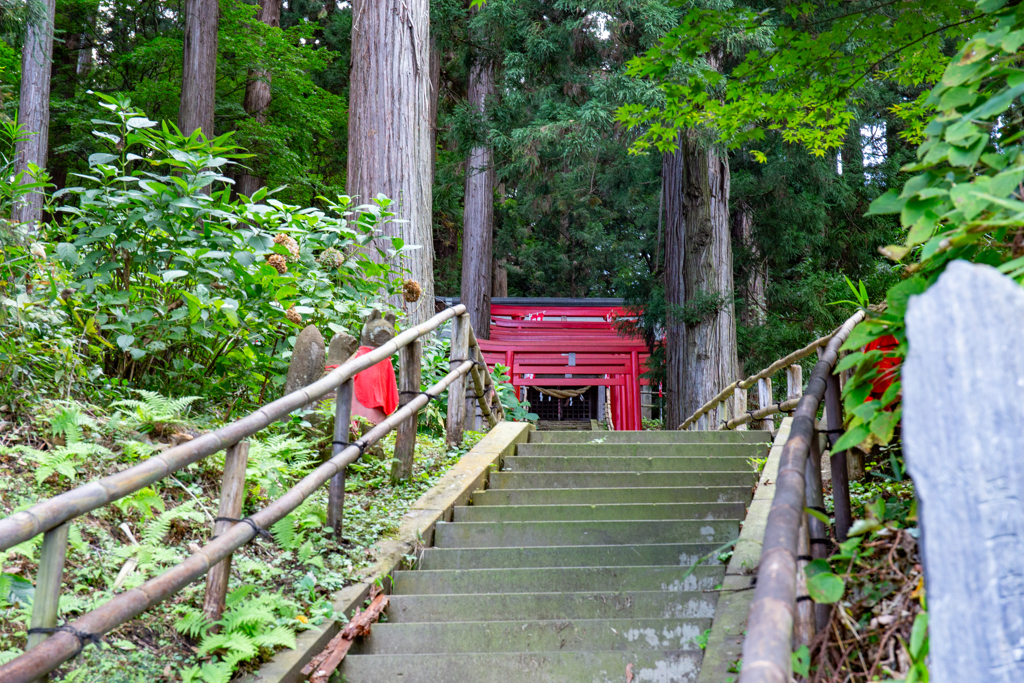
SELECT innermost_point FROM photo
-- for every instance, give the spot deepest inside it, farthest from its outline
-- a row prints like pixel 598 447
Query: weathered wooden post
pixel 817 529
pixel 456 421
pixel 232 495
pixel 794 381
pixel 336 488
pixel 739 406
pixel 47 596
pixel 837 459
pixel 764 399
pixel 963 407
pixel 410 366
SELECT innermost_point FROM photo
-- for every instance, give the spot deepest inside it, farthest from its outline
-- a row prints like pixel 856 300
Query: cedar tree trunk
pixel 34 108
pixel 257 94
pixel 199 73
pixel 478 213
pixel 701 344
pixel 389 134
pixel 752 290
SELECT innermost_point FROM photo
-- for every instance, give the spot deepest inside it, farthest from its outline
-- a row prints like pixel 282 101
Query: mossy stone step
pixel 524 606
pixel 556 579
pixel 682 554
pixel 600 532
pixel 630 464
pixel 523 513
pixel 666 436
pixel 619 495
pixel 536 667
pixel 637 450
pixel 565 635
pixel 601 480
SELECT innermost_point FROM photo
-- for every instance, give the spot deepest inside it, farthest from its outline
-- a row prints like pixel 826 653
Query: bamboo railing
pixel 737 391
pixel 792 536
pixel 48 650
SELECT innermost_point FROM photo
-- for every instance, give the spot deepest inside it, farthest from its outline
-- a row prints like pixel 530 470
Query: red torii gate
pixel 530 347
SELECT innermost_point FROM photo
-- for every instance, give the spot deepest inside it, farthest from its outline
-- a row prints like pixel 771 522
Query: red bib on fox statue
pixel 376 389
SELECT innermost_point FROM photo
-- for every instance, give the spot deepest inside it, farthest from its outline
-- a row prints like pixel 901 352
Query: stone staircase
pixel 569 566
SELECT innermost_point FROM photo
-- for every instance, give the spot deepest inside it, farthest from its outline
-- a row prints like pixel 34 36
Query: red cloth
pixel 881 383
pixel 376 386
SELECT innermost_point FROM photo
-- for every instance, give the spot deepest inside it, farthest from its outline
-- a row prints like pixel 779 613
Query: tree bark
pixel 389 129
pixel 257 95
pixel 675 288
pixel 499 280
pixel 478 213
pixel 701 345
pixel 34 108
pixel 199 72
pixel 755 309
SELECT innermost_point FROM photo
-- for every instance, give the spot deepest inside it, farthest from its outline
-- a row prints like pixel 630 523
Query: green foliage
pixel 252 621
pixel 155 412
pixel 962 203
pixel 794 67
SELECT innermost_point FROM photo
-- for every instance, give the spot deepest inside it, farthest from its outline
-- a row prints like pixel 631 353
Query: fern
pixel 286 535
pixel 136 450
pixel 279 636
pixel 275 463
pixel 209 672
pixel 193 622
pixel 158 529
pixel 63 461
pixel 155 412
pixel 144 500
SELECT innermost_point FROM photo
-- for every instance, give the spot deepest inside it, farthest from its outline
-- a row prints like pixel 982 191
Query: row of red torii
pixel 570 347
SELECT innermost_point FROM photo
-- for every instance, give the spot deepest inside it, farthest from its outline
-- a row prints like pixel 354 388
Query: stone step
pixel 556 579
pixel 405 609
pixel 632 464
pixel 613 496
pixel 564 635
pixel 682 554
pixel 602 532
pixel 666 436
pixel 583 480
pixel 644 450
pixel 534 667
pixel 522 513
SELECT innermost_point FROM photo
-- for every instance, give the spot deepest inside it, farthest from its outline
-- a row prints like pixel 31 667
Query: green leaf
pixel 173 274
pixel 852 437
pixel 883 425
pixel 125 340
pixel 101 158
pixel 817 514
pixel 802 661
pixel 863 526
pixel 888 203
pixel 825 588
pixel 819 566
pixel 67 254
pixel 918 637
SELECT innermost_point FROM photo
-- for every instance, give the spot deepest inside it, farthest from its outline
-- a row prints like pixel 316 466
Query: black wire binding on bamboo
pixel 767 649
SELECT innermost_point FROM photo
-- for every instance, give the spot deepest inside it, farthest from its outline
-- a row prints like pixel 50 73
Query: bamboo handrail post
pixel 794 381
pixel 805 617
pixel 46 603
pixel 456 421
pixel 342 426
pixel 232 495
pixel 837 459
pixel 764 397
pixel 815 498
pixel 410 363
pixel 739 407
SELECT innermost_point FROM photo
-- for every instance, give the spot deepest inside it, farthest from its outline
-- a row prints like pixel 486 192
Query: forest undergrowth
pixel 277 590
pixel 877 629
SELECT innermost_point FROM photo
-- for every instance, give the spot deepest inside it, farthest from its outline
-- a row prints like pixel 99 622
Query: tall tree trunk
pixel 675 288
pixel 389 128
pixel 752 290
pixel 478 213
pixel 698 274
pixel 34 107
pixel 499 280
pixel 199 73
pixel 257 95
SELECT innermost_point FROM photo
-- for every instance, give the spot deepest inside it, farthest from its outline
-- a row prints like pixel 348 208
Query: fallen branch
pixel 321 667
